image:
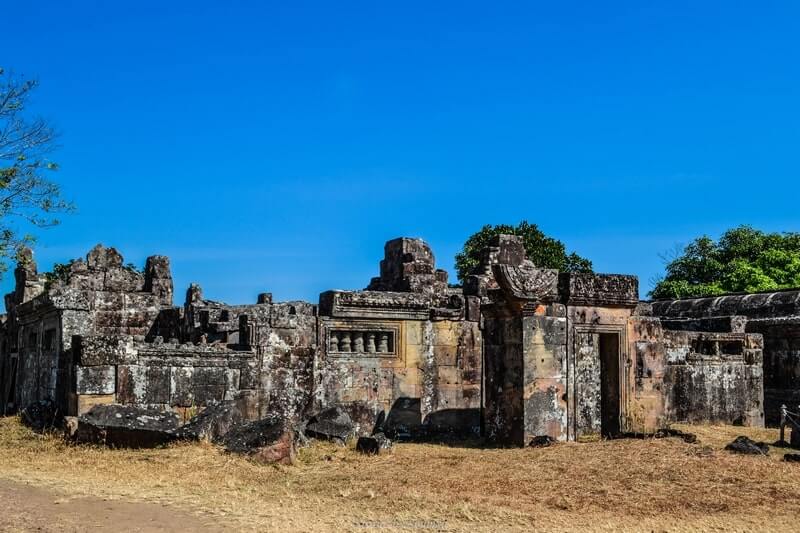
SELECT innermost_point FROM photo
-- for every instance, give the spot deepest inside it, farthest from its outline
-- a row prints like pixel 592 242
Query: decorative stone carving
pixel 362 339
pixel 334 342
pixel 345 344
pixel 375 305
pixel 526 282
pixel 609 290
pixel 358 339
pixel 383 345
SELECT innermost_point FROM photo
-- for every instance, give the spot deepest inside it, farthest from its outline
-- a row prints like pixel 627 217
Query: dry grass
pixel 649 484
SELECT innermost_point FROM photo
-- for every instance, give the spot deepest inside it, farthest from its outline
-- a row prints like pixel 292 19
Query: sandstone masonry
pixel 518 352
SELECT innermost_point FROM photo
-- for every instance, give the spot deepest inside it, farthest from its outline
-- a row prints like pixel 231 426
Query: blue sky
pixel 275 146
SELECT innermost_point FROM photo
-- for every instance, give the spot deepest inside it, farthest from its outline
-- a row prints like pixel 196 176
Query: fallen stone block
pixel 331 424
pixel 213 423
pixel 689 438
pixel 541 441
pixel 747 446
pixel 41 415
pixel 269 440
pixel 792 457
pixel 126 426
pixel 366 417
pixel 404 420
pixel 374 444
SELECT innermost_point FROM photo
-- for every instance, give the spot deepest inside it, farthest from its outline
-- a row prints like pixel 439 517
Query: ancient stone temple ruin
pixel 518 352
pixel 774 315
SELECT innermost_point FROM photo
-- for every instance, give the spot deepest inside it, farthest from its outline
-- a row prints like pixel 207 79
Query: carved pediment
pixel 526 282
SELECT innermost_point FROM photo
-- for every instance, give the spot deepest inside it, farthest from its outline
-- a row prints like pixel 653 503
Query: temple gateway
pixel 518 352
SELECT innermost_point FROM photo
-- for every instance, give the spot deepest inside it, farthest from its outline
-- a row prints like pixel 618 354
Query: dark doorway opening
pixel 609 383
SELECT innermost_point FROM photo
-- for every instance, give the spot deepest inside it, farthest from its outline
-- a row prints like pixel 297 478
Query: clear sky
pixel 275 146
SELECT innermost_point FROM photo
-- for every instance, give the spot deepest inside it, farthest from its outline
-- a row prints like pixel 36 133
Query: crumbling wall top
pixel 409 266
pixel 754 306
pixel 102 258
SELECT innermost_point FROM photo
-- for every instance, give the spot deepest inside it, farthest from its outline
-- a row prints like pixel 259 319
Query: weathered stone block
pixel 126 426
pixel 98 350
pixel 140 384
pixel 248 377
pixel 102 258
pixel 269 440
pixel 209 384
pixel 445 355
pixel 95 380
pixel 232 377
pixel 446 333
pixel 373 444
pixel 473 308
pixel 181 386
pixel 448 375
pixel 123 280
pixel 406 383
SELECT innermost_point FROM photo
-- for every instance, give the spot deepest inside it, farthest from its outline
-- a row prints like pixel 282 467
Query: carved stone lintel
pixel 375 305
pixel 607 290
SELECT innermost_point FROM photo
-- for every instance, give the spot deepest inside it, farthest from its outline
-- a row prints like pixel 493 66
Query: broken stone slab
pixel 331 424
pixel 541 441
pixel 745 445
pixel 374 444
pixel 269 440
pixel 125 426
pixel 213 423
pixel 40 415
pixel 689 438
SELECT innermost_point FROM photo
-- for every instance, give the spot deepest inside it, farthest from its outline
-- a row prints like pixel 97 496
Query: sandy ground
pixel 663 485
pixel 30 508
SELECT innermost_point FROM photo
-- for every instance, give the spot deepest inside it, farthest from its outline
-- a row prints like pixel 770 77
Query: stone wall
pixel 519 352
pixel 775 315
pixel 714 378
pixel 556 349
pixel 95 296
pixel 402 354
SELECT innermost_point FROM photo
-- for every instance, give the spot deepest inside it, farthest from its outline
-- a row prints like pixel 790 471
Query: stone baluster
pixel 358 342
pixel 383 344
pixel 345 344
pixel 334 342
pixel 371 343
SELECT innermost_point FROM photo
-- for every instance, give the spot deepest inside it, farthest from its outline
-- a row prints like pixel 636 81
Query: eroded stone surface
pixel 518 353
pixel 122 426
pixel 269 440
pixel 773 315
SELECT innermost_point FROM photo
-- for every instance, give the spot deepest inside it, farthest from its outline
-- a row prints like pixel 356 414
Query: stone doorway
pixel 597 385
pixel 609 379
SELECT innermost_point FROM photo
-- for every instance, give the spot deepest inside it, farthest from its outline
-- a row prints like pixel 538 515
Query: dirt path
pixel 29 508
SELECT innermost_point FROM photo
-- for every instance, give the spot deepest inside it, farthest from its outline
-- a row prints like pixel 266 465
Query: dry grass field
pixel 628 484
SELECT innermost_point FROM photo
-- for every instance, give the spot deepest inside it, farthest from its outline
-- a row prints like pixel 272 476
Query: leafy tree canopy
pixel 743 260
pixel 28 199
pixel 544 251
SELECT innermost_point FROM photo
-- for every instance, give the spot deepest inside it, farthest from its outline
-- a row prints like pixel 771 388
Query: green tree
pixel 544 251
pixel 743 260
pixel 28 199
